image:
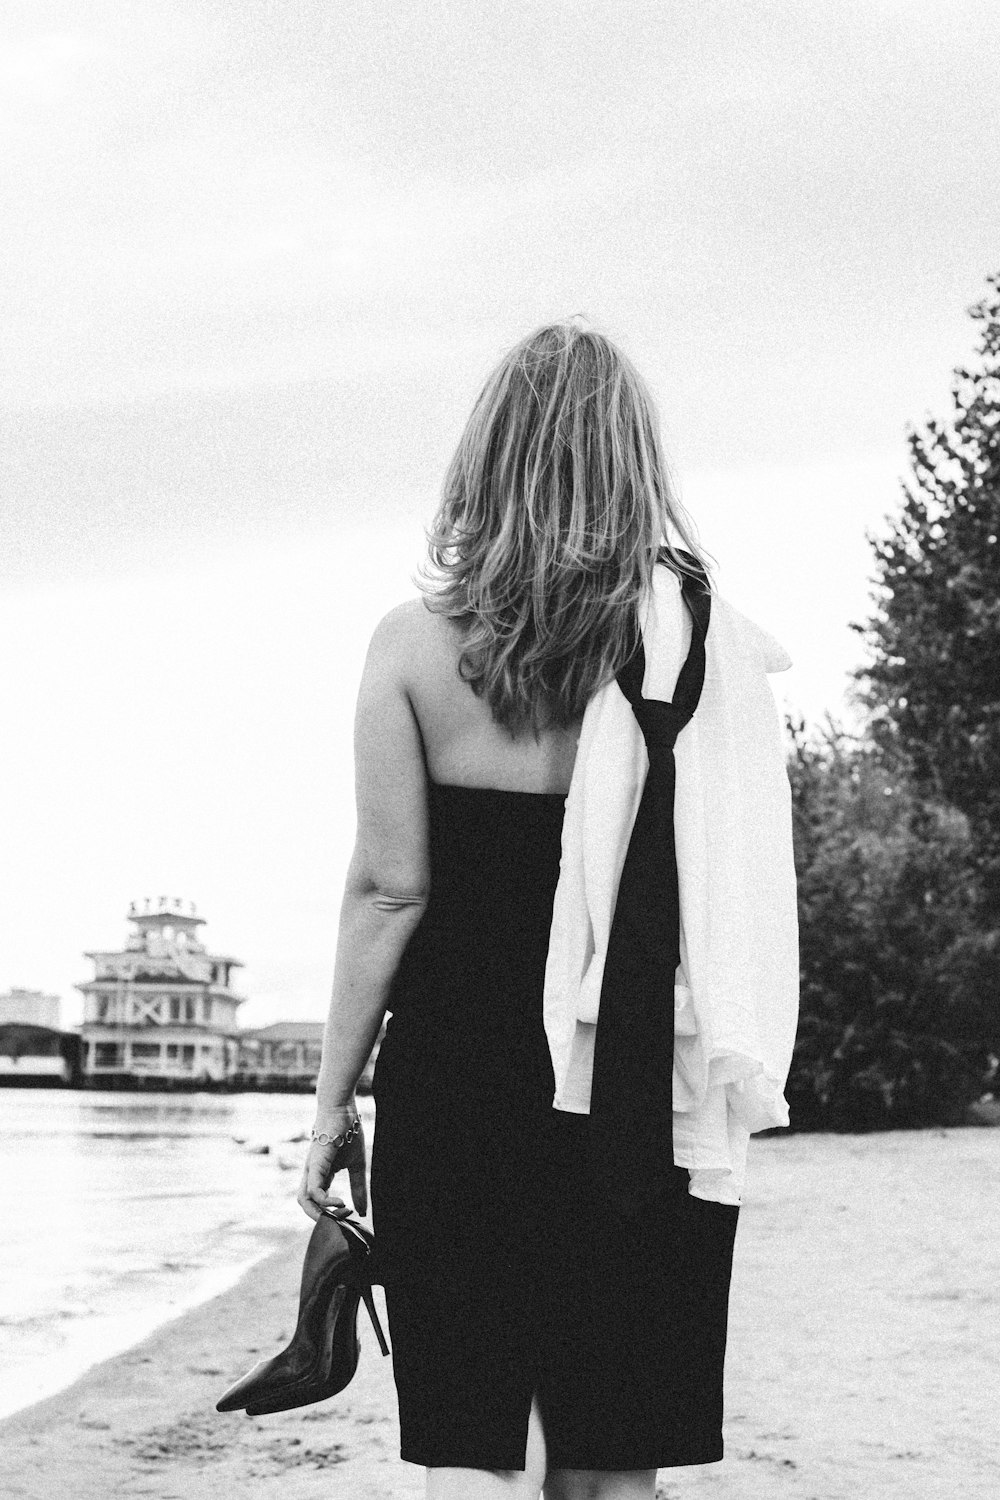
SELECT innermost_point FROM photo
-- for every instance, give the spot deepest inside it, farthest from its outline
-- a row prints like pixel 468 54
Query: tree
pixel 932 691
pixel 900 1014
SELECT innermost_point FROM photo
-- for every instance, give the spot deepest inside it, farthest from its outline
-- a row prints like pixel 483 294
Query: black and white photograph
pixel 500 752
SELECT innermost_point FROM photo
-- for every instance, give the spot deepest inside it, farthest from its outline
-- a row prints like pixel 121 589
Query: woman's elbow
pixel 388 891
pixel 386 900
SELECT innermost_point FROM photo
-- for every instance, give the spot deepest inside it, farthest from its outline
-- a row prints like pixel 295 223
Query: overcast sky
pixel 257 260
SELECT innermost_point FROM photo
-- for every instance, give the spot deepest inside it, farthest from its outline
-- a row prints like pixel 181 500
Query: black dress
pixel 504 1274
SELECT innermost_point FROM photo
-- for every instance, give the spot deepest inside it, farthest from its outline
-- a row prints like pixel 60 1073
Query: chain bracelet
pixel 337 1140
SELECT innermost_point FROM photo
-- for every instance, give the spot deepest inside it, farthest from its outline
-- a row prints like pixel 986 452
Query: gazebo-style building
pixel 160 1012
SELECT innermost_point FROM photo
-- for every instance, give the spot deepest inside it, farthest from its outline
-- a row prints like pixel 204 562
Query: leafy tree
pixel 932 691
pixel 900 1020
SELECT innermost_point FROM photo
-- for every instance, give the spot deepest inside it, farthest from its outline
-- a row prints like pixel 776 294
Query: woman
pixel 540 1342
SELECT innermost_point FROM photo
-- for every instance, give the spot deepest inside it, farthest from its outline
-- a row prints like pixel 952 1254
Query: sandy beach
pixel 863 1355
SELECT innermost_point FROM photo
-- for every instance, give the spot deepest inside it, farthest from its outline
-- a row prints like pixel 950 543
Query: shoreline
pixel 117 1334
pixel 143 1422
pixel 169 1201
pixel 860 1357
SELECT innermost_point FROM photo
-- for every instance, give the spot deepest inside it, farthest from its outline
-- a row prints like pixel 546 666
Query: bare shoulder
pixel 404 619
pixel 410 635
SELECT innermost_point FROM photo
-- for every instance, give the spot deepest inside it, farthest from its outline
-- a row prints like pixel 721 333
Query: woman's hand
pixel 321 1165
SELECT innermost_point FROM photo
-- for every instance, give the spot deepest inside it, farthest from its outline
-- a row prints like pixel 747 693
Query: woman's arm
pixel 384 896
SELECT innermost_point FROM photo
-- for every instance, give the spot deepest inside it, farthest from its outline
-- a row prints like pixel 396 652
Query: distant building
pixel 29 1008
pixel 160 1012
pixel 285 1055
pixel 38 1056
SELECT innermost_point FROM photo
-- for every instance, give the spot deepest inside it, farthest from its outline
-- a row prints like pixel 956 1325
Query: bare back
pixel 461 741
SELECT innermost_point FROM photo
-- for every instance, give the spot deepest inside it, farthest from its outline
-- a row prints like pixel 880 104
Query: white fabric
pixel 736 992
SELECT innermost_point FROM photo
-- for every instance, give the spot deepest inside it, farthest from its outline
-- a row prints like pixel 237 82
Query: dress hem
pixel 412 1455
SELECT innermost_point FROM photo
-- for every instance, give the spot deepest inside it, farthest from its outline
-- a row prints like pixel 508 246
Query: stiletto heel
pixel 366 1293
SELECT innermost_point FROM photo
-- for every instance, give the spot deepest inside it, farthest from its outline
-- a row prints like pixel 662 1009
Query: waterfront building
pixel 34 1051
pixel 160 1012
pixel 38 1056
pixel 285 1057
pixel 29 1008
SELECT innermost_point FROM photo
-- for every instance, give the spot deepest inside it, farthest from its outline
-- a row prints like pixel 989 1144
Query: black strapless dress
pixel 504 1276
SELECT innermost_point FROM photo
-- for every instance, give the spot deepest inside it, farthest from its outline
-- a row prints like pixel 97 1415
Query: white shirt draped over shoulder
pixel 736 991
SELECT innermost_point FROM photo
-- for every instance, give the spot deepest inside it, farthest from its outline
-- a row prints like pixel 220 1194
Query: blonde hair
pixel 554 510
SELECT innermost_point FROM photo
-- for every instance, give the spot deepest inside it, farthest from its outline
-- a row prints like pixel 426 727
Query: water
pixel 123 1210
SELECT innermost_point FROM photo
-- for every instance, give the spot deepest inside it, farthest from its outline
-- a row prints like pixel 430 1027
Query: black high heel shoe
pixel 323 1354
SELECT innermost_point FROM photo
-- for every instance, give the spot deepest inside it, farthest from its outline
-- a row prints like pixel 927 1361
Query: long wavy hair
pixel 554 510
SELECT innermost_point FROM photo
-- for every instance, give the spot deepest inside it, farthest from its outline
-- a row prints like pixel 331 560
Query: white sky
pixel 258 259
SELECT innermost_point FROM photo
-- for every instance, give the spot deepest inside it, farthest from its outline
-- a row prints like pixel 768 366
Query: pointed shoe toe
pixel 255 1383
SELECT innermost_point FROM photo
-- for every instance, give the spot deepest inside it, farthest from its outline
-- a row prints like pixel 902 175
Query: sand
pixel 864 1356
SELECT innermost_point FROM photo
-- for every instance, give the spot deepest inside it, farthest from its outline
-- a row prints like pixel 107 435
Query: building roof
pixel 213 958
pixel 167 909
pixel 156 980
pixel 287 1031
pixel 28 1028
